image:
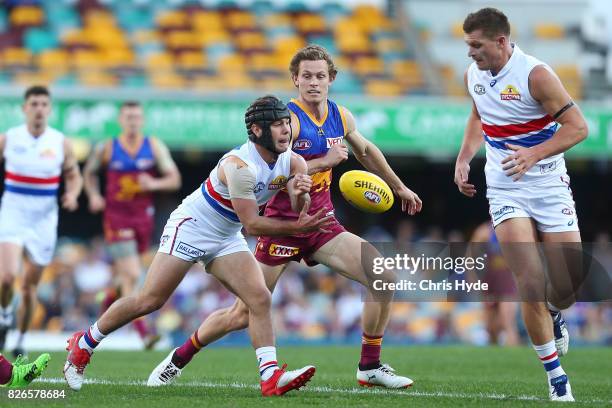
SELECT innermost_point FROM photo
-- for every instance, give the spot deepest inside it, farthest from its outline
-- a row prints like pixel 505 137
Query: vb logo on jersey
pixel 510 93
pixel 331 141
pixel 479 89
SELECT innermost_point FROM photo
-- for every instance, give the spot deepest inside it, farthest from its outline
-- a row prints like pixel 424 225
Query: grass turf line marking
pixel 319 389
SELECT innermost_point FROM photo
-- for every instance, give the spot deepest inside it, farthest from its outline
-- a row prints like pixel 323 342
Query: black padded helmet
pixel 264 111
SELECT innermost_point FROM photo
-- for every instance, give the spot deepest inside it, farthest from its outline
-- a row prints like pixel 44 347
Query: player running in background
pixel 500 308
pixel 206 228
pixel 133 162
pixel 518 104
pixel 21 373
pixel 36 156
pixel 320 128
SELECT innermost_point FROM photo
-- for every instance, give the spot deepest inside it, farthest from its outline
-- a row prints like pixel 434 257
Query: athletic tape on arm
pixel 240 181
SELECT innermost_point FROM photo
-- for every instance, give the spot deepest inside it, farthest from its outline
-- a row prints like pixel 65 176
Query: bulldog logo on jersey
pixel 510 93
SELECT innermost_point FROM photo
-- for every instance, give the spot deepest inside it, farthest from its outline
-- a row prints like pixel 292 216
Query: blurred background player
pixel 206 228
pixel 36 156
pixel 136 166
pixel 21 373
pixel 518 104
pixel 500 307
pixel 320 128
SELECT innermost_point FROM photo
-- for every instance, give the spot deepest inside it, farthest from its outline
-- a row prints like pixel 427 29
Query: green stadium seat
pixel 37 40
pixel 262 8
pixel 66 80
pixel 296 6
pixel 3 20
pixel 132 19
pixel 346 82
pixel 135 81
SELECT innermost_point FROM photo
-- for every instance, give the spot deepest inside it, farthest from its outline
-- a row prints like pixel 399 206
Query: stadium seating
pixel 170 44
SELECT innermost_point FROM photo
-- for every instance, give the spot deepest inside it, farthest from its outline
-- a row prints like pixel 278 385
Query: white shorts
pixel 36 232
pixel 195 232
pixel 550 205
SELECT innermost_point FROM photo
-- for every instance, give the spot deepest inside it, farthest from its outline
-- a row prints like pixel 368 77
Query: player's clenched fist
pixel 336 155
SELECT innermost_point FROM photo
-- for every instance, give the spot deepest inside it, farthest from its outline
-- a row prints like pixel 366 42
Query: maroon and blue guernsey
pixel 129 210
pixel 313 141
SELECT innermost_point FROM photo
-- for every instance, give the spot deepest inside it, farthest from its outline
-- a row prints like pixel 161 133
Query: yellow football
pixel 366 191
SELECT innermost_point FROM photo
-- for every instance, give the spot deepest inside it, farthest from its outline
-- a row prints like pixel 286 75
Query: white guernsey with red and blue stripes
pixel 33 165
pixel 510 115
pixel 269 179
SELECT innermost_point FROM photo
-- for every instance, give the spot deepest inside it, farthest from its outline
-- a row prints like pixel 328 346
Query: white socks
pixel 266 356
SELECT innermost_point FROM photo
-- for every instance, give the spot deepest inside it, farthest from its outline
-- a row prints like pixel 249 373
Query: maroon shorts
pixel 119 229
pixel 275 251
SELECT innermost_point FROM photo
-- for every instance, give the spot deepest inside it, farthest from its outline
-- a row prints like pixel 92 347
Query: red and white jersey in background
pixel 511 115
pixel 33 167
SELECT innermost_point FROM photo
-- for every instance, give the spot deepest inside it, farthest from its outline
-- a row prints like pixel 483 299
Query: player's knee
pixel 261 301
pixel 150 303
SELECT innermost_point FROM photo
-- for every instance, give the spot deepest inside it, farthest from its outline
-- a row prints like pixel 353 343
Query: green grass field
pixel 227 377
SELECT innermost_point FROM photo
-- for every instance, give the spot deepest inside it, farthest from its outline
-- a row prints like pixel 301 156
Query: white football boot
pixel 165 373
pixel 560 389
pixel 383 376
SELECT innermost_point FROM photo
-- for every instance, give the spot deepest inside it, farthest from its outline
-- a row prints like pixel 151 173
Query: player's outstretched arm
pixel 370 156
pixel 299 184
pixel 240 182
pixel 546 88
pixel 170 179
pixel 472 140
pixel 91 178
pixel 72 178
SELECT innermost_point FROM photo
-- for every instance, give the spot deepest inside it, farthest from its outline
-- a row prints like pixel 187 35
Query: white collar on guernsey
pixel 31 136
pixel 261 159
pixel 515 51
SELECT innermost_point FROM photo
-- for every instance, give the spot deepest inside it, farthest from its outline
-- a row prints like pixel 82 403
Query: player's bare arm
pixel 299 184
pixel 546 88
pixel 91 178
pixel 72 178
pixel 240 182
pixel 472 140
pixel 170 179
pixel 2 144
pixel 370 156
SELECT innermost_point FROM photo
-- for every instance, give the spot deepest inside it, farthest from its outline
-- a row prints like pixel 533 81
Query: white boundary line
pixel 319 389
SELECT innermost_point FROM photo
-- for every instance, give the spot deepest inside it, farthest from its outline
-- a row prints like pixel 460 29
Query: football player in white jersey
pixel 35 157
pixel 206 228
pixel 518 103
